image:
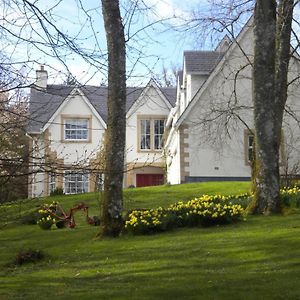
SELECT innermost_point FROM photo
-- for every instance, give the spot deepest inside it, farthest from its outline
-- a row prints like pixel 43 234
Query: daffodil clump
pixel 290 190
pixel 46 219
pixel 46 222
pixel 205 211
pixel 146 221
pixel 290 196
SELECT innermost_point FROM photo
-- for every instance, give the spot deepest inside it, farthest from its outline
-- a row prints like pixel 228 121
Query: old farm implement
pixel 62 218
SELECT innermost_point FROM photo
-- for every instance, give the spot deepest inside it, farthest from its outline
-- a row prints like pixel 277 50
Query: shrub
pixel 27 256
pixel 57 192
pixel 31 218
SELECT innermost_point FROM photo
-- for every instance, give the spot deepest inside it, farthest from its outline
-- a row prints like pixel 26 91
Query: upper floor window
pixel 76 129
pixel 145 134
pixel 151 133
pixel 159 128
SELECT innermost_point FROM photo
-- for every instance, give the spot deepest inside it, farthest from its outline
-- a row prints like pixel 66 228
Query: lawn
pixel 257 258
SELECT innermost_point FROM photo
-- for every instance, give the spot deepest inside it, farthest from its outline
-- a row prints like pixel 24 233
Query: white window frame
pixel 144 134
pixel 158 134
pixel 80 130
pixel 76 184
pixel 250 147
pixel 51 182
pixel 152 134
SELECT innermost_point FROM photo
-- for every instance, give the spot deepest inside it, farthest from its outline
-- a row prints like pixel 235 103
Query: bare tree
pixel 115 136
pixel 271 61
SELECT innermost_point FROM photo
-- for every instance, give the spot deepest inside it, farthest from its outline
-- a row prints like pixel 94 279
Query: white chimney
pixel 41 78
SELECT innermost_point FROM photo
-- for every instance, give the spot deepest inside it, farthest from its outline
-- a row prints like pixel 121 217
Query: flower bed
pixel 290 196
pixel 203 211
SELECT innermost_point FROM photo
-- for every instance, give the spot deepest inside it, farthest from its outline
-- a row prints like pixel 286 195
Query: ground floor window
pixel 76 182
pixel 52 182
pixel 99 181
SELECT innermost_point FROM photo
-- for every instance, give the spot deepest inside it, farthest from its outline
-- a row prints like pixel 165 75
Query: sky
pixel 156 37
pixel 147 50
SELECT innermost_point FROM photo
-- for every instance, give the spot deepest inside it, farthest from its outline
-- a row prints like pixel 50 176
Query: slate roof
pixel 201 61
pixel 43 104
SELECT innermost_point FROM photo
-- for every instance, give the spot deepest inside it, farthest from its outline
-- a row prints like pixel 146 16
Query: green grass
pixel 256 259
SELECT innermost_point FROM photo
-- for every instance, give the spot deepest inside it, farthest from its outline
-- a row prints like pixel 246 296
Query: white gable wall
pixel 150 104
pixel 212 152
pixel 73 152
pixel 218 150
pixel 70 152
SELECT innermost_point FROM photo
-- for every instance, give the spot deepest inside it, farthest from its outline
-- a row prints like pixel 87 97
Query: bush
pixel 27 256
pixel 204 211
pixel 57 192
pixel 31 218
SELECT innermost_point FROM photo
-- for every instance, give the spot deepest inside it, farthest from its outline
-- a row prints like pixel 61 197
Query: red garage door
pixel 149 179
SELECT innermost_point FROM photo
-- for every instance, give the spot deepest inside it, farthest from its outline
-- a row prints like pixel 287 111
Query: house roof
pixel 44 103
pixel 201 61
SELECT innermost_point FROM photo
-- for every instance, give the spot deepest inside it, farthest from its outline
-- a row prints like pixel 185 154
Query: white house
pixel 210 129
pixel 66 130
pixel 201 131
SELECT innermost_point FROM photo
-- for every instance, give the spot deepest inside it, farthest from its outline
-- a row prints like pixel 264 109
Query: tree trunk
pixel 271 58
pixel 267 146
pixel 112 202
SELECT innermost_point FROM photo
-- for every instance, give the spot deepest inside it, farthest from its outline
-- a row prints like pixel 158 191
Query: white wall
pixel 216 148
pixel 37 177
pixel 71 153
pixel 150 104
pixel 173 159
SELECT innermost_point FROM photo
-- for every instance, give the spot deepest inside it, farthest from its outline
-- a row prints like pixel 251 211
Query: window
pixel 145 135
pixel 151 134
pixel 52 182
pixel 99 182
pixel 76 182
pixel 250 147
pixel 159 127
pixel 76 129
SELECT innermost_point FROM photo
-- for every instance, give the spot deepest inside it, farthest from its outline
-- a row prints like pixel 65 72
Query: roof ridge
pixel 201 51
